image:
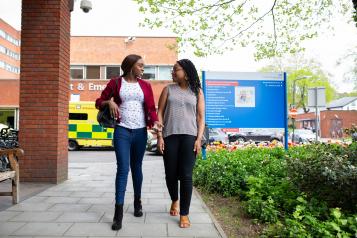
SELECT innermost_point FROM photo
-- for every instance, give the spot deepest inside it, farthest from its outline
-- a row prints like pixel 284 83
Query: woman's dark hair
pixel 128 63
pixel 192 75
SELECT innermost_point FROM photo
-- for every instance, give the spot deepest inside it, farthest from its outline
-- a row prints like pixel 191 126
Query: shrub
pixel 327 172
pixel 226 172
pixel 307 221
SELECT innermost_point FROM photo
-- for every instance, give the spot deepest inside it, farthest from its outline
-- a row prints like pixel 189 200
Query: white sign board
pixel 316 96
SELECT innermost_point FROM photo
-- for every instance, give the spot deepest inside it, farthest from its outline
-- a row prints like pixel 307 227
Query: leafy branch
pixel 218 26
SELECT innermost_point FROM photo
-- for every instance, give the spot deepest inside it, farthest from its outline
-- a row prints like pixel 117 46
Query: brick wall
pixel 44 90
pixel 331 121
pixel 9 93
pixel 94 50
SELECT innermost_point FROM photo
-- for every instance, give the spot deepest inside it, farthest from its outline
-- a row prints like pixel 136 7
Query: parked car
pixel 255 136
pixel 151 144
pixel 217 135
pixel 303 136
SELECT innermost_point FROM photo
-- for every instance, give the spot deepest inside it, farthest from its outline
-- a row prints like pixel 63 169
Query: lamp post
pixel 293 103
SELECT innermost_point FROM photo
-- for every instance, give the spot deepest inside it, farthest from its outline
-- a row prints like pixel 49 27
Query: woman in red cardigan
pixel 134 109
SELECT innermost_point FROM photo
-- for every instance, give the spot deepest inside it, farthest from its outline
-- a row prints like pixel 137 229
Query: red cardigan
pixel 149 104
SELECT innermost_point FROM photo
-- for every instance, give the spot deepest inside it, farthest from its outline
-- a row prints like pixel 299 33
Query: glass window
pixel 149 72
pixel 12 39
pixel 165 72
pixel 8 67
pixel 93 72
pixel 76 73
pixel 2 33
pixel 2 49
pixel 78 116
pixel 113 71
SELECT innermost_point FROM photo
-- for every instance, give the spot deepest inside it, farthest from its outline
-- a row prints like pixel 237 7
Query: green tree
pixel 274 27
pixel 315 77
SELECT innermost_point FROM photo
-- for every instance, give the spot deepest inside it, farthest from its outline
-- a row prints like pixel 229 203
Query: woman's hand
pixel 158 126
pixel 160 144
pixel 114 109
pixel 197 146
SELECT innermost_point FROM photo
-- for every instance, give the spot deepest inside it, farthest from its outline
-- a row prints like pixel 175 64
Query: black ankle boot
pixel 138 208
pixel 118 217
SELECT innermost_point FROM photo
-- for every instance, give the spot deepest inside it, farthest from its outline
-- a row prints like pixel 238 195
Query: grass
pixel 231 216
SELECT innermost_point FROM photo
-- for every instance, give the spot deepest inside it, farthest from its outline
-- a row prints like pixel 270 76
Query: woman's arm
pixel 200 121
pixel 151 109
pixel 105 99
pixel 106 95
pixel 160 115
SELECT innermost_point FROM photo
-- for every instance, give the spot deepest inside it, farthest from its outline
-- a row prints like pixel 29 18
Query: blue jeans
pixel 129 147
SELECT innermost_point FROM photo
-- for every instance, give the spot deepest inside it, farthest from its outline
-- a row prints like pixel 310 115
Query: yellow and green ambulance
pixel 83 128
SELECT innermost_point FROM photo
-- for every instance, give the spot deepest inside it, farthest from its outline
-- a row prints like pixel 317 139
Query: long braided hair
pixel 192 75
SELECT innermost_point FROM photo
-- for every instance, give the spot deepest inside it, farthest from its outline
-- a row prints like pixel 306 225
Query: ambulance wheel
pixel 72 145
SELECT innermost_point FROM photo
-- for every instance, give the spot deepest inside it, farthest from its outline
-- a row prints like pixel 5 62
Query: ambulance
pixel 83 128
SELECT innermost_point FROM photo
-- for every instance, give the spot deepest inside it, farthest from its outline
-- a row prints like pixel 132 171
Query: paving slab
pixel 36 217
pixel 43 229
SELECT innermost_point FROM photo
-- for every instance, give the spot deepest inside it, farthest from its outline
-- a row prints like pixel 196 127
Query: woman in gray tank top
pixel 181 110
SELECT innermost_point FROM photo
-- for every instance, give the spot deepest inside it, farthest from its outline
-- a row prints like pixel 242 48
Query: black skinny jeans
pixel 179 159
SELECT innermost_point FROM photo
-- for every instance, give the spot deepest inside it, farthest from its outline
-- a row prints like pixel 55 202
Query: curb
pixel 215 222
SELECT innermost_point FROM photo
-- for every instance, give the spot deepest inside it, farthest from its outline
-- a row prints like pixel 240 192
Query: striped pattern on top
pixel 180 112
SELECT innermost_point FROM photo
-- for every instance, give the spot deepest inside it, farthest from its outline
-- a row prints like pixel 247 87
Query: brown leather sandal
pixel 174 209
pixel 185 222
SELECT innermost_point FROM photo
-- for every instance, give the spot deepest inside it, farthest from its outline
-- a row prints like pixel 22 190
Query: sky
pixel 121 18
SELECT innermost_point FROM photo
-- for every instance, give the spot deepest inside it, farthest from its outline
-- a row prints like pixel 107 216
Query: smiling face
pixel 138 68
pixel 178 74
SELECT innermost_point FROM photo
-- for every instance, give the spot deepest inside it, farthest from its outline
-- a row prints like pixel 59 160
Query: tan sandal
pixel 174 209
pixel 185 222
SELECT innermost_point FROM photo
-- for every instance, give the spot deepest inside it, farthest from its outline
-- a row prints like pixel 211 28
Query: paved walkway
pixel 83 207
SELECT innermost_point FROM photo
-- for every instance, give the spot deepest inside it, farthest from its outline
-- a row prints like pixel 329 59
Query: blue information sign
pixel 245 100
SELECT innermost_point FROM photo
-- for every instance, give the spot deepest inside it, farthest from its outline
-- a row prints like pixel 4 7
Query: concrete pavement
pixel 83 206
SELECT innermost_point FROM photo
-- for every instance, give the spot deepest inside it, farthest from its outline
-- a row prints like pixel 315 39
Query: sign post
pixel 316 98
pixel 293 114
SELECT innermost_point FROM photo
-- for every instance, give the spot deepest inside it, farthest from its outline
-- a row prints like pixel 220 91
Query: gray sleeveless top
pixel 180 112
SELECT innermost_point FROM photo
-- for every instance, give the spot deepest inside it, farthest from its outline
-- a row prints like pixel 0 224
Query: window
pixel 93 72
pixel 12 54
pixel 2 49
pixel 9 67
pixel 78 116
pixel 2 34
pixel 149 72
pixel 165 72
pixel 112 71
pixel 12 39
pixel 76 72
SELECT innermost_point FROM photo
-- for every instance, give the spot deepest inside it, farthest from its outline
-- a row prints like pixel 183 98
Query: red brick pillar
pixel 44 90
